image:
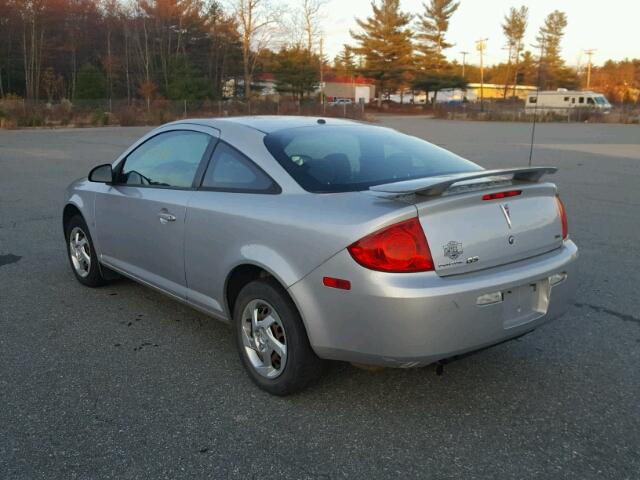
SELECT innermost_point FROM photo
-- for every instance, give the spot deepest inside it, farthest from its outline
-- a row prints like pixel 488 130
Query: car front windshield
pixel 601 100
pixel 344 158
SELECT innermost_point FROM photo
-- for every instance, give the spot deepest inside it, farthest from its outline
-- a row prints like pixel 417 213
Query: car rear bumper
pixel 407 320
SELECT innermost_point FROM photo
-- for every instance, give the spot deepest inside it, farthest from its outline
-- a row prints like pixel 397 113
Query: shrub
pixel 127 116
pixel 30 119
pixel 100 118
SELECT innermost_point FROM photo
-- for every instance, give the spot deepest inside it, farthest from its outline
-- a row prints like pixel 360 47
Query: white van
pixel 562 100
pixel 340 101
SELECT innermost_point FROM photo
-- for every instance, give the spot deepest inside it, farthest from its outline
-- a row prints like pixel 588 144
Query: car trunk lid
pixel 470 229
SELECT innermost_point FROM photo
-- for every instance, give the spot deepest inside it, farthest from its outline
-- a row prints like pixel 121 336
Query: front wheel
pixel 272 341
pixel 82 254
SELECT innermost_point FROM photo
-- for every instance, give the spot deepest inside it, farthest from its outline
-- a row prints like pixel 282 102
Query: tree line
pixel 203 49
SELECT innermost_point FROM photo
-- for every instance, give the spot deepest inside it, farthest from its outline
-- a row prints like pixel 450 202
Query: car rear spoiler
pixel 435 186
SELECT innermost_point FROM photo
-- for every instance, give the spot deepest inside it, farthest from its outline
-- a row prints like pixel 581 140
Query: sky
pixel 610 27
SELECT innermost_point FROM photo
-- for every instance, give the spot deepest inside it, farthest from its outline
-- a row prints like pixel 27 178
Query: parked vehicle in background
pixel 562 100
pixel 326 239
pixel 340 101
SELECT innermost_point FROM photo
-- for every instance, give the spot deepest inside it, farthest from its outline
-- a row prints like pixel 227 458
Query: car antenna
pixel 535 106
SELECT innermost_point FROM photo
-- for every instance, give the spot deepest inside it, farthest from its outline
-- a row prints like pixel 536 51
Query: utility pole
pixel 480 46
pixel 589 53
pixel 464 61
pixel 535 106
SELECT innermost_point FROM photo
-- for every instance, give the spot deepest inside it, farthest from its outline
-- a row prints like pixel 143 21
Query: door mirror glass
pixel 101 174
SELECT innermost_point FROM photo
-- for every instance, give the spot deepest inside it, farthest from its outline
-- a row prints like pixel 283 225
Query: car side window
pixel 231 170
pixel 169 159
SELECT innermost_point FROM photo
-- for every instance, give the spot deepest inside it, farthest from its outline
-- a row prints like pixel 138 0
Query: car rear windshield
pixel 326 159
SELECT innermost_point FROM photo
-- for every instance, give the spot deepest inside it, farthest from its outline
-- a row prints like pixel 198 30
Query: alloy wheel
pixel 80 252
pixel 264 339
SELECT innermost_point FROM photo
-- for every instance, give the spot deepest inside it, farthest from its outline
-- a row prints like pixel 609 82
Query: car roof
pixel 267 123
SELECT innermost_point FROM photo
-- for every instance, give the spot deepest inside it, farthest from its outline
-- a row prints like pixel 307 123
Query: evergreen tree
pixel 527 70
pixel 344 63
pixel 186 82
pixel 514 28
pixel 385 45
pixel 296 71
pixel 549 38
pixel 92 83
pixel 432 28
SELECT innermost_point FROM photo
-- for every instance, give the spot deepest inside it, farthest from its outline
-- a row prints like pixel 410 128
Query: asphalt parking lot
pixel 120 382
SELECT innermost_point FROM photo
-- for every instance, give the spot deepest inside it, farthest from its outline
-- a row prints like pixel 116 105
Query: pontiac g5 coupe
pixel 326 239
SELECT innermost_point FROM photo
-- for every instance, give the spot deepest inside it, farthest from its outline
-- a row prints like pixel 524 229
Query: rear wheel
pixel 82 255
pixel 272 340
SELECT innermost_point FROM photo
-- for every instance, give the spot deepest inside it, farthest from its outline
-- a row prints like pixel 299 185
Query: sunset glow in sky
pixel 610 27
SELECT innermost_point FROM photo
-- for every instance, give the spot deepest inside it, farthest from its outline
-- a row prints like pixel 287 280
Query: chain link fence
pixel 510 111
pixel 18 113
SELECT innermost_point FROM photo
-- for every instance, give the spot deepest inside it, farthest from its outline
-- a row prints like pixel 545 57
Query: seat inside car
pixel 332 168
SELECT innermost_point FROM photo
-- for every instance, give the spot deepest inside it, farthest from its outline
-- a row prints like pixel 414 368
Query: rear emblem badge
pixel 507 213
pixel 452 249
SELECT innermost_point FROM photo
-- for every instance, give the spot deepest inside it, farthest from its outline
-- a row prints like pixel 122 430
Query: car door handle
pixel 166 217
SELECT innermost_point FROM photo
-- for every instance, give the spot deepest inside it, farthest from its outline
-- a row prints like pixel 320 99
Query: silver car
pixel 326 239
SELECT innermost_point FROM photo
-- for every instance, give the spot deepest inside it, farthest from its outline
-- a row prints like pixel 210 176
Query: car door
pixel 140 218
pixel 219 223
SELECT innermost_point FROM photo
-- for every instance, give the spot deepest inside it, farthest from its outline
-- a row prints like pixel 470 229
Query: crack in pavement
pixel 619 315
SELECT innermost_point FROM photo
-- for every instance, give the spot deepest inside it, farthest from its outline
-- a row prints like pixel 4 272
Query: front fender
pixel 82 199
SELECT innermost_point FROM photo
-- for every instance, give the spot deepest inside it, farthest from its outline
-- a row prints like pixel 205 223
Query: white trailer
pixel 562 100
pixel 362 93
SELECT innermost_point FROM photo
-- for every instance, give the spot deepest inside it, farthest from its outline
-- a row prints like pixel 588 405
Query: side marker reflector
pixel 336 283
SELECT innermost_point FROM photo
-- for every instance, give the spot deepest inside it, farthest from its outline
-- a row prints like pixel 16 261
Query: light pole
pixel 589 53
pixel 464 61
pixel 480 46
pixel 322 74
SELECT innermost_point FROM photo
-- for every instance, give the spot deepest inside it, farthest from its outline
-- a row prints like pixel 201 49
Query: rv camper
pixel 562 100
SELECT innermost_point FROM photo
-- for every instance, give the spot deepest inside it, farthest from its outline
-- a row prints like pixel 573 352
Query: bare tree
pixel 7 26
pixel 125 14
pixel 111 15
pixel 223 49
pixel 311 16
pixel 31 12
pixel 257 22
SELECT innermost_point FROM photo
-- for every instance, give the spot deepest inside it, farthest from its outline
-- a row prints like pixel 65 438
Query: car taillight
pixel 563 217
pixel 498 195
pixel 401 247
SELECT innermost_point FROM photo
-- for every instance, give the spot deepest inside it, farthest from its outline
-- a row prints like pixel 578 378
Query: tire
pixel 278 319
pixel 85 265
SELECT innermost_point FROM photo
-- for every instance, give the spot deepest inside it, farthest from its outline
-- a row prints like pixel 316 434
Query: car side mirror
pixel 101 174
